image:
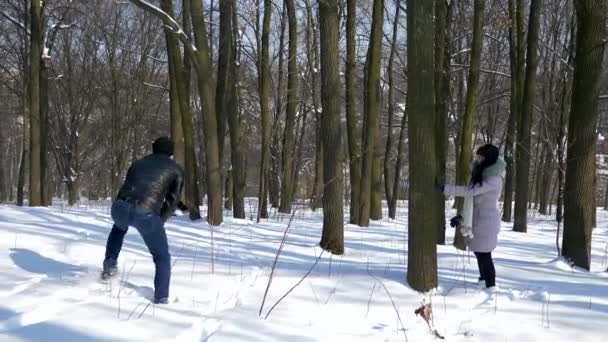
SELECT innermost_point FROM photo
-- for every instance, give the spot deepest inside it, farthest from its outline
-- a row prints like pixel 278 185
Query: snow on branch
pixel 170 24
pixel 495 72
pixel 15 21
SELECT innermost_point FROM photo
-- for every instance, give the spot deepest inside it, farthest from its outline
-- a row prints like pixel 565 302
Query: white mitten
pixel 467 232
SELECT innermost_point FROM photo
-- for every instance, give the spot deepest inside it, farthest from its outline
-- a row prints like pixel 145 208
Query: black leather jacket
pixel 154 182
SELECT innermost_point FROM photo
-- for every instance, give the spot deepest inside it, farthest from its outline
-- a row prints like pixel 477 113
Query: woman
pixel 481 218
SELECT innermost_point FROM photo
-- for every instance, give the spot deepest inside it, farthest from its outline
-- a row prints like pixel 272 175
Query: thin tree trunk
pixel 274 184
pixel 264 82
pixel 332 238
pixel 223 94
pixel 516 62
pixel 422 248
pixel 388 187
pixel 524 130
pixel 24 146
pixel 35 193
pixel 372 115
pixel 579 187
pixel 214 178
pixel 46 194
pixel 290 118
pixel 354 148
pixel 237 156
pixel 300 150
pixel 313 53
pixel 400 159
pixel 442 93
pixel 466 143
pixel 539 163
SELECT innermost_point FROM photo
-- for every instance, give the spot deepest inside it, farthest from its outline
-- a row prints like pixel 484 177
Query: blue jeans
pixel 150 227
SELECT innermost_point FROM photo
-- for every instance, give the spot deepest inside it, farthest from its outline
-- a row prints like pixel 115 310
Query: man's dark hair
pixel 163 145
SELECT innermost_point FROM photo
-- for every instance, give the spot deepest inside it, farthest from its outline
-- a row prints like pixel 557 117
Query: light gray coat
pixel 486 215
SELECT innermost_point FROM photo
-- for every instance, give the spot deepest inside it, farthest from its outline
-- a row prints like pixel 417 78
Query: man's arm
pixel 172 197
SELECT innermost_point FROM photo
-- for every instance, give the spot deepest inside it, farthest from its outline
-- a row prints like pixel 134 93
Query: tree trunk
pixel 369 177
pixel 442 94
pixel 229 191
pixel 317 196
pixel 239 169
pixel 399 162
pixel 466 143
pixel 274 183
pixel 290 117
pixel 354 148
pixel 300 151
pixel 580 168
pixel 194 196
pixel 264 83
pixel 422 248
pixel 524 129
pixel 516 43
pixel 223 94
pixel 388 187
pixel 46 193
pixel 332 238
pixel 35 193
pixel 214 178
pixel 24 147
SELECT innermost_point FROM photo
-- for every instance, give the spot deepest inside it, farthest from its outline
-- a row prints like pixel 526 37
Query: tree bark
pixel 466 143
pixel 223 94
pixel 524 130
pixel 388 186
pixel 353 131
pixel 214 185
pixel 274 183
pixel 580 168
pixel 45 190
pixel 371 125
pixel 36 27
pixel 264 83
pixel 290 117
pixel 517 60
pixel 332 238
pixel 442 94
pixel 422 248
pixel 239 169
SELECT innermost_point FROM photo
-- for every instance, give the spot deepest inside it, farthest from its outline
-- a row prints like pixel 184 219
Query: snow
pixel 50 260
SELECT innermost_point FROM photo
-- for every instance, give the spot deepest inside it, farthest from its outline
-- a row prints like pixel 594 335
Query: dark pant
pixel 486 268
pixel 151 229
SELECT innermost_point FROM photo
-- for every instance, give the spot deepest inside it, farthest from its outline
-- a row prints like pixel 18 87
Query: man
pixel 148 197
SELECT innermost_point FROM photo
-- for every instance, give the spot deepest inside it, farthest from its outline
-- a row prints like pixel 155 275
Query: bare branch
pixel 16 22
pixel 170 24
pixel 483 70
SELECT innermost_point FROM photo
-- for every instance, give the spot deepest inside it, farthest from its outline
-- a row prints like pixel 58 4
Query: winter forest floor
pixel 50 262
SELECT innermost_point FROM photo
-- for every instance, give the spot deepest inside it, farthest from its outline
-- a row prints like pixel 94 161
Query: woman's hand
pixel 455 221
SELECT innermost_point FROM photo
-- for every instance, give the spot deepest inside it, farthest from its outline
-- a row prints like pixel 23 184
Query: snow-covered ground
pixel 49 290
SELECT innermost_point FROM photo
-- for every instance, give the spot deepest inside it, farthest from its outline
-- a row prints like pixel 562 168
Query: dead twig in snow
pixel 296 285
pixel 392 302
pixel 276 260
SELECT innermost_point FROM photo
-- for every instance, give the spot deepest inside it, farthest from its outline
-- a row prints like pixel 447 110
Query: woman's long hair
pixel 489 153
